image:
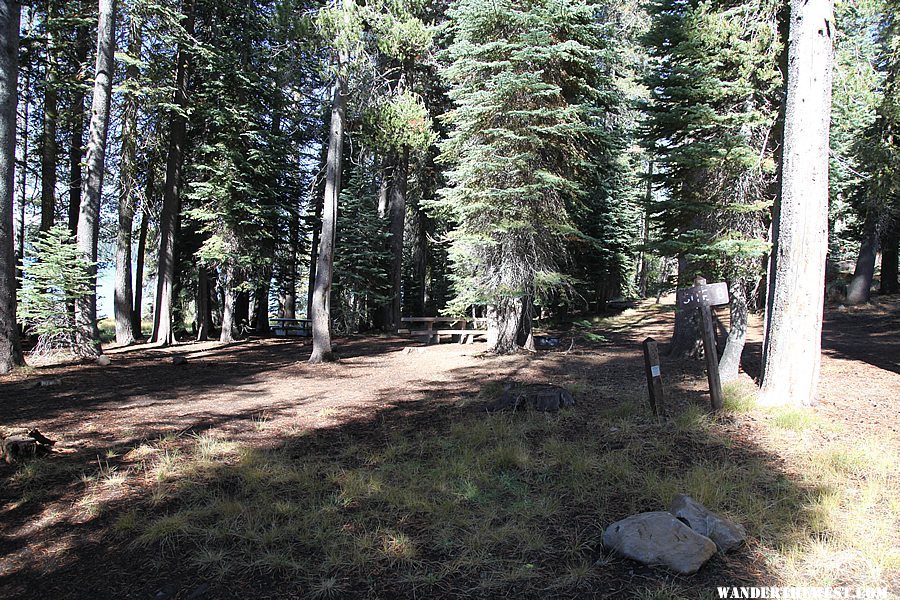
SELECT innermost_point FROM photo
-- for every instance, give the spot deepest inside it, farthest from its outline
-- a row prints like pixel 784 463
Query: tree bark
pixel 163 330
pixel 419 293
pixel 76 149
pixel 686 339
pixel 261 304
pixel 316 231
pixel 398 224
pixel 859 287
pixel 123 296
pixel 730 363
pixel 204 318
pixel 136 321
pixel 10 346
pixel 19 232
pixel 49 150
pixel 889 258
pixel 321 297
pixel 290 285
pixel 792 347
pixel 227 333
pixel 643 270
pixel 504 324
pixel 87 334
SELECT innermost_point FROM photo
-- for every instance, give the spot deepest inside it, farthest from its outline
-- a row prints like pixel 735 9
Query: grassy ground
pixel 499 502
pixel 435 498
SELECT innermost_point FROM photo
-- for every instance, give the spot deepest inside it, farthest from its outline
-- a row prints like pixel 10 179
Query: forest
pixel 199 179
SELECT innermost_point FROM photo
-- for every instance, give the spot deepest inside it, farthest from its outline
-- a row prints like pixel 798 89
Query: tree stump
pixel 16 448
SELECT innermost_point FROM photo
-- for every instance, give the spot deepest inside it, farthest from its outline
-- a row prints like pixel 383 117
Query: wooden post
pixel 712 357
pixel 654 377
pixel 703 297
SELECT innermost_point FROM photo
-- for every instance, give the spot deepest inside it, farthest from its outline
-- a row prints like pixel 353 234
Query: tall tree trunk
pixel 643 270
pixel 241 310
pixel 290 284
pixel 87 334
pixel 19 231
pixel 792 347
pixel 504 325
pixel 419 292
pixel 889 258
pixel 204 318
pixel 228 313
pixel 123 297
pixel 398 224
pixel 686 340
pixel 859 286
pixel 10 346
pixel 730 363
pixel 261 305
pixel 321 298
pixel 136 321
pixel 163 330
pixel 316 230
pixel 76 145
pixel 49 149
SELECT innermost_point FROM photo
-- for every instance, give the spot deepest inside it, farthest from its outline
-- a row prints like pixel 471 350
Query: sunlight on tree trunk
pixel 163 326
pixel 792 347
pixel 87 335
pixel 321 299
pixel 10 347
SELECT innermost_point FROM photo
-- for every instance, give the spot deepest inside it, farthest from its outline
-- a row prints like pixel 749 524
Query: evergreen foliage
pixel 362 260
pixel 524 79
pixel 711 129
pixel 54 277
pixel 878 149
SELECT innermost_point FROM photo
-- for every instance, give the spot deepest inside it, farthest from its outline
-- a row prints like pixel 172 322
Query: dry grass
pixel 482 504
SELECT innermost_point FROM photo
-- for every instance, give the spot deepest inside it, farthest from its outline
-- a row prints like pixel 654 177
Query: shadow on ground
pixel 418 494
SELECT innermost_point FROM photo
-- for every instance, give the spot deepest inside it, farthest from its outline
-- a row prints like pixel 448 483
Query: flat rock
pixel 726 534
pixel 659 539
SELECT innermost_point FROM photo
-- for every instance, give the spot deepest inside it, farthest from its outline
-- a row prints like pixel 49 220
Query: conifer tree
pixel 10 346
pixel 523 78
pixel 714 87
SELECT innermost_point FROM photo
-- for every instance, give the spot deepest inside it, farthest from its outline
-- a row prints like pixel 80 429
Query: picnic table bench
pixel 464 327
pixel 291 327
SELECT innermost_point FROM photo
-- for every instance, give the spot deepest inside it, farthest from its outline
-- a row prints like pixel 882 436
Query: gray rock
pixel 50 382
pixel 179 360
pixel 659 539
pixel 727 535
pixel 103 360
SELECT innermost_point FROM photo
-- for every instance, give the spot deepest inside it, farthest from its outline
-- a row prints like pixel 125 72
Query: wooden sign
pixel 703 296
pixel 714 294
pixel 654 376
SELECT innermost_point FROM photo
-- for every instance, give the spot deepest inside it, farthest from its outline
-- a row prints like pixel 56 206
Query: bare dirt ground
pixel 261 392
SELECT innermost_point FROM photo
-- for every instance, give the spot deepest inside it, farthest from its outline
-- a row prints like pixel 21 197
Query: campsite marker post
pixel 654 377
pixel 703 297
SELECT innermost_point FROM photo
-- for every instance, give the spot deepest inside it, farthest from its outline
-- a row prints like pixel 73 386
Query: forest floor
pixel 246 472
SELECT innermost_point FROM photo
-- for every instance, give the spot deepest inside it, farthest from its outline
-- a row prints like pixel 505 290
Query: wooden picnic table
pixel 459 326
pixel 292 327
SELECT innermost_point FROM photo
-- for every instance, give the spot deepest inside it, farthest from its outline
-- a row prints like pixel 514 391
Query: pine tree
pixel 877 154
pixel 523 78
pixel 55 277
pixel 10 347
pixel 714 86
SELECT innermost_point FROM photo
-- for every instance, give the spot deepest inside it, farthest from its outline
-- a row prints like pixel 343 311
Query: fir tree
pixel 523 77
pixel 714 87
pixel 55 277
